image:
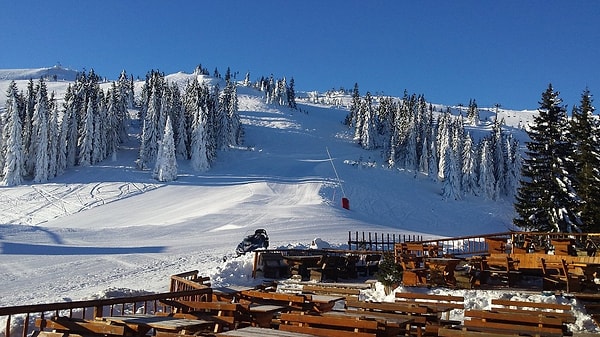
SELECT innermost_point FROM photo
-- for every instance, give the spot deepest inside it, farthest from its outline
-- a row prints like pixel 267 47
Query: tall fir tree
pixel 584 133
pixel 166 163
pixel 544 199
pixel 12 169
pixel 40 134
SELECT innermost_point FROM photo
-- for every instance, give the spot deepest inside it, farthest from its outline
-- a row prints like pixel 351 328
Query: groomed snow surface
pixel 111 230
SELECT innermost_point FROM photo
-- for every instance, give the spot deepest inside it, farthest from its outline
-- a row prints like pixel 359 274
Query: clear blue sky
pixel 502 52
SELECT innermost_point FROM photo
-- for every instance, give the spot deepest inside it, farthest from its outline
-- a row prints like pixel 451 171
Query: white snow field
pixel 112 229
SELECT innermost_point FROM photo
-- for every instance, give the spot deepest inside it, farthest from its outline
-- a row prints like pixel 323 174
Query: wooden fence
pixel 378 242
pixel 90 309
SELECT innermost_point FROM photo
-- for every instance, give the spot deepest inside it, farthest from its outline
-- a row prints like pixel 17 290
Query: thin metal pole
pixel 335 171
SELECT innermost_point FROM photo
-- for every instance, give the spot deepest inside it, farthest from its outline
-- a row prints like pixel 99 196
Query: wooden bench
pixel 224 314
pixel 435 303
pixel 66 325
pixel 501 265
pixel 328 326
pixel 328 268
pixel 347 290
pixel 507 317
pixel 557 276
pixel 512 323
pixel 421 318
pixel 562 311
pixel 260 332
pixel 291 301
pixel 272 265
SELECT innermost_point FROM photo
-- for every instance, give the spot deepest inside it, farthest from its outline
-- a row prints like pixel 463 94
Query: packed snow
pixel 111 229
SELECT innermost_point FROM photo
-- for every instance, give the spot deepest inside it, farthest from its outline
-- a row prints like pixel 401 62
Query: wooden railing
pixel 91 308
pixel 477 244
pixel 378 242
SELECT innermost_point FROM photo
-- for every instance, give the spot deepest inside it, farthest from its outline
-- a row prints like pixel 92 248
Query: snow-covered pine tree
pixel 113 138
pixel 369 129
pixel 467 177
pixel 545 197
pixel 53 140
pixel 100 128
pixel 40 134
pixel 166 163
pixel 486 180
pixel 86 134
pixel 178 116
pixel 585 136
pixel 71 129
pixel 291 94
pixel 451 182
pixel 442 141
pixel 199 157
pixel 27 118
pixel 353 110
pixel 472 113
pixel 153 89
pixel 12 168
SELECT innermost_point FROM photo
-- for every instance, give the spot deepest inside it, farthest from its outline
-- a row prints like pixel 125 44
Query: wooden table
pixel 252 331
pixel 441 270
pixel 263 314
pixel 141 324
pixel 299 264
pixel 322 303
pixel 391 321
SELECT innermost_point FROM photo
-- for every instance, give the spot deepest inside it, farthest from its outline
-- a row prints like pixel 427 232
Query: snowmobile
pixel 259 239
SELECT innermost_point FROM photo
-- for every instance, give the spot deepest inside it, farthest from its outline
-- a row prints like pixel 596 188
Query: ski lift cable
pixel 336 173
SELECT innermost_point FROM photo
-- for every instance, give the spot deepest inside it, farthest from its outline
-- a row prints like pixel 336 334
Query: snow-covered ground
pixel 112 228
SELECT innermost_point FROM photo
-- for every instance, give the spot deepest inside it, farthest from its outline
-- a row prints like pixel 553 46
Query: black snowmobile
pixel 259 239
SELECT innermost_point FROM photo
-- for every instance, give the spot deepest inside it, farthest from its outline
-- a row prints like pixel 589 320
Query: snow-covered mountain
pixel 55 73
pixel 111 228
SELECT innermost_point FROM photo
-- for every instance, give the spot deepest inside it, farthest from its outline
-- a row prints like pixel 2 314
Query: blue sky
pixel 503 52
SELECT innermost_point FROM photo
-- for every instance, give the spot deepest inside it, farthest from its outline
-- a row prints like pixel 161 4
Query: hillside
pixel 111 225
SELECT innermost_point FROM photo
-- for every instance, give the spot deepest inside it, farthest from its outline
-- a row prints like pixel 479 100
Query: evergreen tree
pixel 166 164
pixel 354 105
pixel 473 113
pixel 368 133
pixel 545 196
pixel 53 141
pixel 468 164
pixel 28 150
pixel 199 156
pixel 12 168
pixel 291 94
pixel 585 139
pixel 40 134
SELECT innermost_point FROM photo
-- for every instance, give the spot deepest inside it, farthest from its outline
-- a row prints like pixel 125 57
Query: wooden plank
pixel 566 317
pixel 453 332
pixel 521 304
pixel 348 322
pixel 513 328
pixel 260 332
pixel 387 306
pixel 531 319
pixel 330 290
pixel 321 332
pixel 79 326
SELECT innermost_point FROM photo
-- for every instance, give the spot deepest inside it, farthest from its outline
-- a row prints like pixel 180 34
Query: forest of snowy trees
pixel 40 140
pixel 410 137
